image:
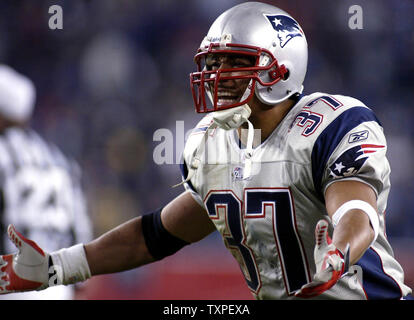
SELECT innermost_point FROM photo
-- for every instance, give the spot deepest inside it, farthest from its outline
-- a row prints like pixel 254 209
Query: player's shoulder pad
pixel 348 123
pixel 196 135
pixel 330 105
pixel 319 111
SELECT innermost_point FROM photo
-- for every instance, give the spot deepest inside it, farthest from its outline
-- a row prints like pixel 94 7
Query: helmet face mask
pixel 258 31
pixel 208 82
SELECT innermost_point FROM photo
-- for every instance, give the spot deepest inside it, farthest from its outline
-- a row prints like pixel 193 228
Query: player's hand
pixel 331 264
pixel 25 270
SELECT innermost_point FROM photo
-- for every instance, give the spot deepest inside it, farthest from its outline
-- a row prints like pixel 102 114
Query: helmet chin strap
pixel 227 119
pixel 248 152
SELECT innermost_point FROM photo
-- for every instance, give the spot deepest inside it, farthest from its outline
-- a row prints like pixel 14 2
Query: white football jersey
pixel 268 220
pixel 41 195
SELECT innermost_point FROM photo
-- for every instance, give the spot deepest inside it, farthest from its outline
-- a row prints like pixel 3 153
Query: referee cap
pixel 17 95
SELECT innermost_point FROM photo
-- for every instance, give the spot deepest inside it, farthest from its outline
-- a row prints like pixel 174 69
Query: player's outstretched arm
pixel 352 207
pixel 125 247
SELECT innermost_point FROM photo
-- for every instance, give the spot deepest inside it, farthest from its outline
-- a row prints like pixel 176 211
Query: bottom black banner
pixel 194 310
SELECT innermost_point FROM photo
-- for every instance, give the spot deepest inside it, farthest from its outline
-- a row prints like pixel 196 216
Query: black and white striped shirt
pixel 40 192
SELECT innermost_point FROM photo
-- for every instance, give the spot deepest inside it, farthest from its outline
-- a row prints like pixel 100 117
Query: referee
pixel 40 188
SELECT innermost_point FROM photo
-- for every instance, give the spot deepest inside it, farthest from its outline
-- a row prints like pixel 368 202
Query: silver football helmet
pixel 266 33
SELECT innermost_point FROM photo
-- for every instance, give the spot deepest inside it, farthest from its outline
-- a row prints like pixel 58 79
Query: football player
pixel 296 184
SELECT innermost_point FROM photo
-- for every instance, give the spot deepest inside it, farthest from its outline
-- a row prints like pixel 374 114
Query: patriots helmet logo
pixel 352 160
pixel 286 28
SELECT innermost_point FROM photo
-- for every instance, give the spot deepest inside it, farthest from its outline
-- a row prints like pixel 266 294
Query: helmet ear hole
pixel 286 75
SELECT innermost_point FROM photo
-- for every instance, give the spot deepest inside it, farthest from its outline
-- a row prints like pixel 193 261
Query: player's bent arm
pixel 355 226
pixel 125 247
pixel 352 207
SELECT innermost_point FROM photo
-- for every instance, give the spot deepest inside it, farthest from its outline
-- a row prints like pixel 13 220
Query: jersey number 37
pixel 275 205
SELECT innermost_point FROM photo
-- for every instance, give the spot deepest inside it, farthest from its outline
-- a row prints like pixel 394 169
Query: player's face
pixel 229 91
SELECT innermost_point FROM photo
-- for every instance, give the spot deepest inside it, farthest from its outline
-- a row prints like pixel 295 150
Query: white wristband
pixel 71 264
pixel 361 205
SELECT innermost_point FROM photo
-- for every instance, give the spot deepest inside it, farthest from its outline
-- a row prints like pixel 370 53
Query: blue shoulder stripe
pixel 331 136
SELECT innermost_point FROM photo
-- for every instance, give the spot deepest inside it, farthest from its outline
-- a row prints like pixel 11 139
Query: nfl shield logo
pixel 237 173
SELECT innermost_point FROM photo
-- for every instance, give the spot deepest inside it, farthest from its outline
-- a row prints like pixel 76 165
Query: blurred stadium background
pixel 118 71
